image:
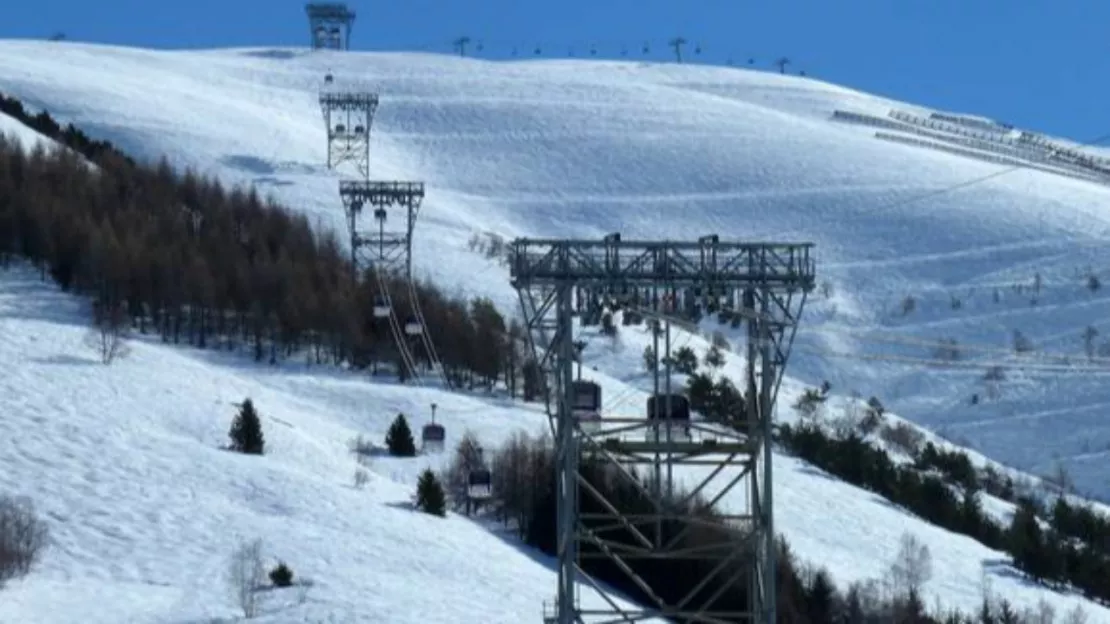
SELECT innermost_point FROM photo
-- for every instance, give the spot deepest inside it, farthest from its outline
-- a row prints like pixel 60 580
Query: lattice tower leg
pixel 567 460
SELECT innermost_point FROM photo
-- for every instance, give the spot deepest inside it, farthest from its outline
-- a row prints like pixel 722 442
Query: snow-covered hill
pixel 145 510
pixel 584 148
pixel 545 148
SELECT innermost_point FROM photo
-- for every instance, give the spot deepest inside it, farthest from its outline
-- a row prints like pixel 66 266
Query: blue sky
pixel 1040 64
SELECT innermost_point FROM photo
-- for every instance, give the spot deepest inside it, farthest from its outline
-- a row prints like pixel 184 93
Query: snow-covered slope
pixel 145 509
pixel 124 463
pixel 584 148
pixel 25 136
pixel 570 148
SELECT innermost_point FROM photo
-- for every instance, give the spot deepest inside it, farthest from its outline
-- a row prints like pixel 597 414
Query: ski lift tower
pixel 386 250
pixel 330 25
pixel 770 281
pixel 348 116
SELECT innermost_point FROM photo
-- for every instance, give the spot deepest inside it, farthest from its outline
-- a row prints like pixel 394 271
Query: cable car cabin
pixel 340 128
pixel 586 405
pixel 328 79
pixel 381 307
pixel 678 418
pixel 479 484
pixel 433 437
pixel 360 130
pixel 413 327
pixel 587 396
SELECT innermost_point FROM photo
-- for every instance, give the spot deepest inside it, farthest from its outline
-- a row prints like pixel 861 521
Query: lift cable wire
pixel 425 338
pixel 399 338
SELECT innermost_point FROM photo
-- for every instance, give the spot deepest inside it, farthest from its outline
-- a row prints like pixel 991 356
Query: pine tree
pixel 714 358
pixel 1026 541
pixel 429 494
pixel 820 597
pixel 399 438
pixel 246 431
pixel 282 575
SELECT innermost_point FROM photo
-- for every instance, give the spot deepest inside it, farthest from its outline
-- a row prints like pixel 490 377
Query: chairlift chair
pixel 413 327
pixel 381 307
pixel 479 484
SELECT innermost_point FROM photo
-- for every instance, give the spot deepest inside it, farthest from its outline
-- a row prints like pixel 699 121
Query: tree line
pixel 525 501
pixel 182 257
pixel 944 488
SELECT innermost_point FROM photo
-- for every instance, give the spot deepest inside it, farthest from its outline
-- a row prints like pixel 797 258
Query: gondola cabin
pixel 586 404
pixel 328 79
pixel 671 411
pixel 381 307
pixel 479 484
pixel 433 437
pixel 413 327
pixel 340 129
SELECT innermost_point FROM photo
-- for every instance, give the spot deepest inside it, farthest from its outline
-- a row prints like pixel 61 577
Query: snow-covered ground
pixel 145 509
pixel 546 148
pixel 584 148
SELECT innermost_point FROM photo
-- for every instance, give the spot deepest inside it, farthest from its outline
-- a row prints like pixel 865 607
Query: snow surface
pixel 546 148
pixel 25 136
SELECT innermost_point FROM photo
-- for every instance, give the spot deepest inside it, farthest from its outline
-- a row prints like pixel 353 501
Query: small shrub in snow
pixel 246 575
pixel 714 358
pixel 399 438
pixel 430 497
pixel 246 431
pixel 903 436
pixel 110 330
pixel 281 575
pixel 22 538
pixel 362 477
pixel 361 447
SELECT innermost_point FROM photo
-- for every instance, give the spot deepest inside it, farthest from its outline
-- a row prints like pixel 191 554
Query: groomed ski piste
pixel 145 510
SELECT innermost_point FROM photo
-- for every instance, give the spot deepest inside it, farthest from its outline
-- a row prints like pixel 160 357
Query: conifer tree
pixel 246 431
pixel 399 438
pixel 430 497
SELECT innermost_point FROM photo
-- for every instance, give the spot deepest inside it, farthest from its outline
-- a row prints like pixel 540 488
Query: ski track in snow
pixel 144 508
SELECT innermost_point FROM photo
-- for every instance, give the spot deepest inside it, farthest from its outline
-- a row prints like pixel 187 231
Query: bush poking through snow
pixel 903 437
pixel 246 431
pixel 281 575
pixel 246 575
pixel 22 537
pixel 399 438
pixel 110 329
pixel 361 478
pixel 430 497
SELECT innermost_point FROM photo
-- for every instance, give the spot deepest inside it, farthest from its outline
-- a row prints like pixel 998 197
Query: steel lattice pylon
pixel 769 282
pixel 348 116
pixel 329 25
pixel 386 251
